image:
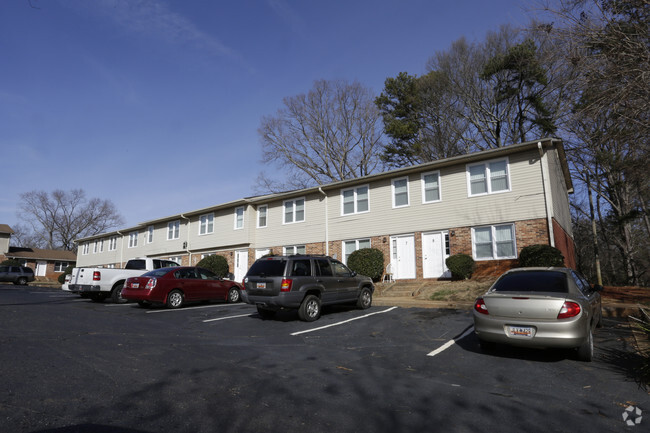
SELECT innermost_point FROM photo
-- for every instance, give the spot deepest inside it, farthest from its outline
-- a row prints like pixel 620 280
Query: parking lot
pixel 73 365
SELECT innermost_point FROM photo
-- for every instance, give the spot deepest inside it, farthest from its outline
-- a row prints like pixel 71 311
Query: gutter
pixel 547 198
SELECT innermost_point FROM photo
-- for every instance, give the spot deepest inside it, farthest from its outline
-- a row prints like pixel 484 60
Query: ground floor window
pixel 494 242
pixel 351 246
pixel 294 249
pixel 60 266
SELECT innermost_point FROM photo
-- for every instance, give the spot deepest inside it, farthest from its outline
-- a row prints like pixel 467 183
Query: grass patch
pixel 442 295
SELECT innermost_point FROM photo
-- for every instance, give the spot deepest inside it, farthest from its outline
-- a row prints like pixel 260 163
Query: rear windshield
pixel 157 272
pixel 535 281
pixel 136 264
pixel 268 268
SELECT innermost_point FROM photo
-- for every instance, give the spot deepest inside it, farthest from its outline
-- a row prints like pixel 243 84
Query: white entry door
pixel 434 254
pixel 41 268
pixel 403 256
pixel 241 264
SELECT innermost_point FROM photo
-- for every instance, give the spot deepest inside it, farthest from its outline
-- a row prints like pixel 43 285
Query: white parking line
pixel 192 308
pixel 227 317
pixel 345 321
pixel 450 343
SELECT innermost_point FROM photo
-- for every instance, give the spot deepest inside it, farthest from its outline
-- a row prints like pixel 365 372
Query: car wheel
pixel 175 299
pixel 365 299
pixel 116 294
pixel 599 324
pixel 309 309
pixel 233 295
pixel 144 304
pixel 22 281
pixel 586 350
pixel 265 313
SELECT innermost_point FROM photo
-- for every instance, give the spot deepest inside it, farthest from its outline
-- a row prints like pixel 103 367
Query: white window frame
pixel 494 242
pixel 424 185
pixel 95 247
pixel 112 243
pixel 261 215
pixel 85 248
pixel 206 224
pixel 488 177
pixel 356 247
pixel 293 203
pixel 173 230
pixel 150 231
pixel 355 200
pixel 60 266
pixel 133 239
pixel 293 249
pixel 239 218
pixel 100 248
pixel 393 193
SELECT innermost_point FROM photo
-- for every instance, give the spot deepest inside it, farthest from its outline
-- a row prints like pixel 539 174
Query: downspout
pixel 187 242
pixel 327 236
pixel 121 247
pixel 547 199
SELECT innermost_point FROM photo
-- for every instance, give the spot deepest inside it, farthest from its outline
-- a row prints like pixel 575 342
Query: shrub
pixel 67 271
pixel 461 266
pixel 368 262
pixel 215 263
pixel 11 262
pixel 540 255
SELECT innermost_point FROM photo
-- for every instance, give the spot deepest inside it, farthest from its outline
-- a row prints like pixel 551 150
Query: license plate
pixel 520 331
pixel 261 285
pixel 135 285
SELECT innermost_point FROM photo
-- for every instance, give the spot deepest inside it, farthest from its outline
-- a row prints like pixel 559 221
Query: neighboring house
pixel 45 263
pixel 487 204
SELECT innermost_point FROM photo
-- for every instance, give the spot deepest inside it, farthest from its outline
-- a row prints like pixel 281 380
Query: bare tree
pixel 329 134
pixel 58 218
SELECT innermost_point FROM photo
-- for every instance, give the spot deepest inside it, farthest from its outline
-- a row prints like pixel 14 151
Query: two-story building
pixel 487 204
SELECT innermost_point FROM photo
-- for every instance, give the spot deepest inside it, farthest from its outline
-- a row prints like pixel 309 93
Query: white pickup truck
pixel 101 283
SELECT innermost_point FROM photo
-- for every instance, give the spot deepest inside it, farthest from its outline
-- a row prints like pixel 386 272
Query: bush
pixel 67 271
pixel 540 255
pixel 11 262
pixel 215 263
pixel 461 266
pixel 368 262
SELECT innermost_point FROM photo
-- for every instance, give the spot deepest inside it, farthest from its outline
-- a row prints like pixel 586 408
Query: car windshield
pixel 532 281
pixel 268 268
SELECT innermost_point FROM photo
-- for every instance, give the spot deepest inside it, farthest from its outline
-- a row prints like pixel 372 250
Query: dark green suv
pixel 305 283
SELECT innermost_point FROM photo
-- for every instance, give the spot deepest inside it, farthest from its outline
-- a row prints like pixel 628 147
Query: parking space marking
pixel 192 308
pixel 227 317
pixel 450 343
pixel 345 321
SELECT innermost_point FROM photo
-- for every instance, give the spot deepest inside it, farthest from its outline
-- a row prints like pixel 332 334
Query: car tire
pixel 265 313
pixel 233 295
pixel 175 299
pixel 586 350
pixel 365 299
pixel 310 308
pixel 22 281
pixel 116 294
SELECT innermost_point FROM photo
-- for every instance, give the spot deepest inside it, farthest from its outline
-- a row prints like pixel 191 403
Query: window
pixel 294 249
pixel 494 242
pixel 95 247
pixel 101 245
pixel 294 211
pixel 430 187
pixel 176 259
pixel 133 239
pixel 488 178
pixel 112 243
pixel 354 200
pixel 262 213
pixel 239 218
pixel 60 266
pixel 150 234
pixel 400 192
pixel 206 224
pixel 173 230
pixel 351 246
pixel 84 249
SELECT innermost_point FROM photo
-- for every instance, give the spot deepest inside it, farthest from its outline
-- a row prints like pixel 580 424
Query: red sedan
pixel 175 286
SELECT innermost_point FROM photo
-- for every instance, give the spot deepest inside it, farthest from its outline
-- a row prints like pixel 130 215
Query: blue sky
pixel 155 104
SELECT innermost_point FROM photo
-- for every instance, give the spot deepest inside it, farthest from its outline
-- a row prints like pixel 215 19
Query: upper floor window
pixel 84 249
pixel 494 242
pixel 150 234
pixel 489 177
pixel 262 213
pixel 133 239
pixel 400 192
pixel 173 230
pixel 112 243
pixel 95 245
pixel 294 211
pixel 430 187
pixel 354 200
pixel 100 247
pixel 351 246
pixel 206 224
pixel 239 218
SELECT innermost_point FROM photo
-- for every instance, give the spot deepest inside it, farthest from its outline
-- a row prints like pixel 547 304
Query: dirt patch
pixel 455 291
pixel 627 295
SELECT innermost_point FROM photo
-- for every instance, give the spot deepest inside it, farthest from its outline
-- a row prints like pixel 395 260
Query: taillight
pixel 286 285
pixel 151 284
pixel 569 309
pixel 97 276
pixel 480 306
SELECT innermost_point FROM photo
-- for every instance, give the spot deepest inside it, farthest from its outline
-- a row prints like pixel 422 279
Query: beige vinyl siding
pixel 224 233
pixel 560 197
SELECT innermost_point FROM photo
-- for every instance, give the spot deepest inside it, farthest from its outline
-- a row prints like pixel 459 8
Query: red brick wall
pixel 565 244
